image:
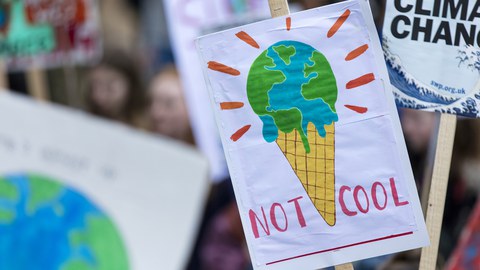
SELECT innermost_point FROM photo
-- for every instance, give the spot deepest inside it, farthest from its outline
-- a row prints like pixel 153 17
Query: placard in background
pixel 187 20
pixel 432 49
pixel 82 192
pixel 49 33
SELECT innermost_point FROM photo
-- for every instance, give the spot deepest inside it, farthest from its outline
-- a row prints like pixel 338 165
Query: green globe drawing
pixel 46 225
pixel 290 85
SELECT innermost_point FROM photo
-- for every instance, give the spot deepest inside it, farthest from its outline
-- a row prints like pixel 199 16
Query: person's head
pixel 418 127
pixel 168 112
pixel 114 90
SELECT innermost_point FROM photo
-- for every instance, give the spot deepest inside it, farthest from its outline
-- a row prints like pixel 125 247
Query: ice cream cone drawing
pixel 293 90
pixel 316 169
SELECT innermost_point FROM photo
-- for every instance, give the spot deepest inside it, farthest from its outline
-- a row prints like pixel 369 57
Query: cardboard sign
pixel 49 33
pixel 188 19
pixel 82 193
pixel 312 138
pixel 432 50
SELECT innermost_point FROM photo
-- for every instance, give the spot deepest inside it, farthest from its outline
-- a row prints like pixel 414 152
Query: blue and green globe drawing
pixel 290 85
pixel 47 225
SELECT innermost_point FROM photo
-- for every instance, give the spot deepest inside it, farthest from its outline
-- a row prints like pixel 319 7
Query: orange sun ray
pixel 289 23
pixel 357 52
pixel 231 105
pixel 247 39
pixel 338 23
pixel 357 109
pixel 223 68
pixel 365 79
pixel 239 133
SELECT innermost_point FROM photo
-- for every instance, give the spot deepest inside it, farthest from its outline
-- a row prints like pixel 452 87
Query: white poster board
pixel 312 138
pixel 432 50
pixel 188 19
pixel 79 191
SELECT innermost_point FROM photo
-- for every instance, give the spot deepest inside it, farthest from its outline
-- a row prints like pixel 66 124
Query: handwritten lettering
pixel 278 218
pixel 378 196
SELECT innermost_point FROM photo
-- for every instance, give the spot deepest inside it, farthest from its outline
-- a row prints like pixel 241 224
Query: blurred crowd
pixel 137 83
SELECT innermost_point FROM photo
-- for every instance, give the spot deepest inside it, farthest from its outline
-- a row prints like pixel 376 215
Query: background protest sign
pixel 432 50
pixel 81 192
pixel 188 19
pixel 466 255
pixel 312 139
pixel 49 33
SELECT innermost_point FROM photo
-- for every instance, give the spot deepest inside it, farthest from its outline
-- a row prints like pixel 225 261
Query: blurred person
pixel 463 184
pixel 223 246
pixel 114 90
pixel 378 12
pixel 418 128
pixel 167 111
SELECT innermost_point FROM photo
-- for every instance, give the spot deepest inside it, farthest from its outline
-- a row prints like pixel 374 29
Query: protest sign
pixel 432 50
pixel 48 33
pixel 312 138
pixel 78 192
pixel 188 19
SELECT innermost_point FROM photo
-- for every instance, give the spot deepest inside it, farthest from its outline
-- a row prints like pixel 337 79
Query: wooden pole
pixel 438 189
pixel 347 266
pixel 37 86
pixel 3 76
pixel 280 8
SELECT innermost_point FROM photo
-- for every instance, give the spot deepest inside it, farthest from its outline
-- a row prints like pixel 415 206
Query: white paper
pixel 188 19
pixel 369 148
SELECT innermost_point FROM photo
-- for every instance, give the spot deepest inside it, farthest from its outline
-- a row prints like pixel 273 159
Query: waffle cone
pixel 315 170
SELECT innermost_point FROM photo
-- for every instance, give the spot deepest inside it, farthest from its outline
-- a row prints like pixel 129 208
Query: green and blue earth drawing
pixel 290 85
pixel 49 226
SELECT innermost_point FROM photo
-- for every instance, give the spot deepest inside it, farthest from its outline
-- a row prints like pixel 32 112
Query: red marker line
pixel 365 79
pixel 247 39
pixel 342 247
pixel 357 52
pixel 231 105
pixel 223 68
pixel 338 23
pixel 239 133
pixel 357 109
pixel 289 23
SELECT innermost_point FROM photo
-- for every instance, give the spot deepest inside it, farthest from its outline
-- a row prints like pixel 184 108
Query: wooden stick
pixel 3 76
pixel 438 189
pixel 280 8
pixel 37 86
pixel 347 266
